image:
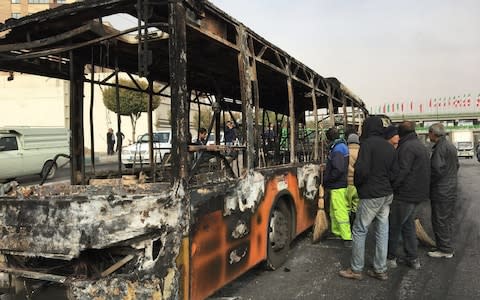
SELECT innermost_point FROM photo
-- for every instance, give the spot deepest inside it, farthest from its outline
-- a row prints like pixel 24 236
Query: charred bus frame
pixel 187 231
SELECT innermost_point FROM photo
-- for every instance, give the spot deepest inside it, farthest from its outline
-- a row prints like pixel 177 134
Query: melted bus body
pixel 207 213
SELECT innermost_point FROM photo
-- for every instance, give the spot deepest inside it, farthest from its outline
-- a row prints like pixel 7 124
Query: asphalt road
pixel 311 271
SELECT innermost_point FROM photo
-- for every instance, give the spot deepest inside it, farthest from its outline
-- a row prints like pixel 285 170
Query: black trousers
pixel 443 218
pixel 402 221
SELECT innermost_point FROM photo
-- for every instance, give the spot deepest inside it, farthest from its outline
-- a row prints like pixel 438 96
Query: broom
pixel 422 235
pixel 321 221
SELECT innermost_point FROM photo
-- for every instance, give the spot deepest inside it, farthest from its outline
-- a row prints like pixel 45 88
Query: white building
pixel 29 100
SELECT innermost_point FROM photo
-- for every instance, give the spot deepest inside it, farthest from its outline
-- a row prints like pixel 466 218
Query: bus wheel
pixel 279 235
pixel 52 172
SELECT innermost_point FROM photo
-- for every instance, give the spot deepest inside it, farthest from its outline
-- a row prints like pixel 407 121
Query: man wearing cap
pixel 410 187
pixel 335 180
pixel 391 135
pixel 443 190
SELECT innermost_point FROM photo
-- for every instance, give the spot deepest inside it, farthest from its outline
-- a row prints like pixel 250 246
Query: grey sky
pixel 384 51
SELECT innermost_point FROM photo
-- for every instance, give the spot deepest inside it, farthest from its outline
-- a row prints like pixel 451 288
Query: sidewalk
pixel 102 158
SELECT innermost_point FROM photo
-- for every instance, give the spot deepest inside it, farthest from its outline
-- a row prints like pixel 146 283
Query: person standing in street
pixel 443 190
pixel 373 172
pixel 110 141
pixel 120 137
pixel 353 142
pixel 230 134
pixel 478 152
pixel 335 181
pixel 411 186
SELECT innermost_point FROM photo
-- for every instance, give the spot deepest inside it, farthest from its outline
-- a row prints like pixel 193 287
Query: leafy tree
pixel 132 103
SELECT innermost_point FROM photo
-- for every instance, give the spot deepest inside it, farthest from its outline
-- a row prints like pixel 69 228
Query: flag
pixel 411 105
pixel 421 108
pixel 384 108
pixel 402 106
pixel 430 104
pixel 393 107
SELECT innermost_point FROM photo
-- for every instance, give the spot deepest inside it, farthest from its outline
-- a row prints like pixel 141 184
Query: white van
pixel 138 153
pixel 31 150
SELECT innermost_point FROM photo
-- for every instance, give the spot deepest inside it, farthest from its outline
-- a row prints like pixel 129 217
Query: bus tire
pixel 279 235
pixel 52 172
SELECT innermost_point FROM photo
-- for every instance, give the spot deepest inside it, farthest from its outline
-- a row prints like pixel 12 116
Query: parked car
pixel 31 150
pixel 138 153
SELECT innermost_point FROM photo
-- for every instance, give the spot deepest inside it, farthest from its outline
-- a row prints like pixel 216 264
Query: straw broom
pixel 422 235
pixel 321 221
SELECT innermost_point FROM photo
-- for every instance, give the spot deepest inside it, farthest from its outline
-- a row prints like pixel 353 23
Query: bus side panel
pixel 304 189
pixel 228 242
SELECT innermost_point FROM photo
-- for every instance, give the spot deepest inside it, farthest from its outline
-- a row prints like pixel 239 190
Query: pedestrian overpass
pixel 460 121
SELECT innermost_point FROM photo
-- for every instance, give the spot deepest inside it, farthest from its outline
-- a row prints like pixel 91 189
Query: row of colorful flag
pixel 455 103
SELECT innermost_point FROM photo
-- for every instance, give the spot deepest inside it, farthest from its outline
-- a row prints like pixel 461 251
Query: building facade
pixel 20 8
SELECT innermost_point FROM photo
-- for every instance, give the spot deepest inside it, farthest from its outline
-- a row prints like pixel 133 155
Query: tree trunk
pixel 133 120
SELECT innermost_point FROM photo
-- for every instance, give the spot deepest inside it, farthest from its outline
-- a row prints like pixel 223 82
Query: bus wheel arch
pixel 280 231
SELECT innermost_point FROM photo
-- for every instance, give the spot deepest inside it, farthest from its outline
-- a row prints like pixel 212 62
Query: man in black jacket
pixel 443 190
pixel 411 186
pixel 373 171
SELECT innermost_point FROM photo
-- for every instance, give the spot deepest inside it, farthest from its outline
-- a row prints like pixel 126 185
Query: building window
pixel 16 15
pixel 38 1
pixel 61 1
pixel 15 1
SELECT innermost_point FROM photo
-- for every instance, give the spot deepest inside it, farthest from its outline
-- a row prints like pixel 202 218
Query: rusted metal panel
pixel 178 86
pixel 245 78
pixel 77 157
pixel 291 110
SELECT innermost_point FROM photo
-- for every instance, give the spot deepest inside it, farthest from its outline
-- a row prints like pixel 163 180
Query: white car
pixel 138 153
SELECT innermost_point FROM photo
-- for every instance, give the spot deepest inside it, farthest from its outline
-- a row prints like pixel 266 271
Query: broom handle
pixel 321 201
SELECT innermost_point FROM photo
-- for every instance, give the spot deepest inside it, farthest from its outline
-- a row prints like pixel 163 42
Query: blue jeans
pixel 369 210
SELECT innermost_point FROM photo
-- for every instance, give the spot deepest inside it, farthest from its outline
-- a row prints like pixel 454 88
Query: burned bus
pixel 187 226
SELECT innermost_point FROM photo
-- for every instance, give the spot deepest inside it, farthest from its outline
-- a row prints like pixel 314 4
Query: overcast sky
pixel 384 51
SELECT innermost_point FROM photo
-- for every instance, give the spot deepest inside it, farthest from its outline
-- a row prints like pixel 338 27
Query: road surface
pixel 311 271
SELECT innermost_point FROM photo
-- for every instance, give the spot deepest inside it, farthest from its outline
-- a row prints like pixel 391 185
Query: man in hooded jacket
pixel 373 172
pixel 411 187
